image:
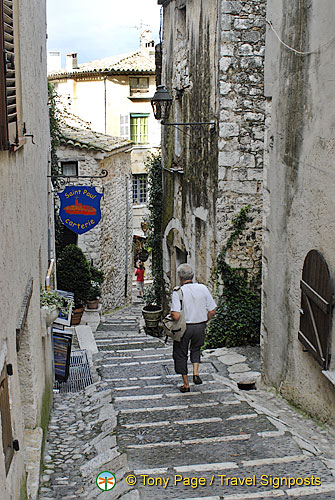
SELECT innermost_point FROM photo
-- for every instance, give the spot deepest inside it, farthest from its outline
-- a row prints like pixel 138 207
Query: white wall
pixel 23 241
pixel 87 100
pixel 299 187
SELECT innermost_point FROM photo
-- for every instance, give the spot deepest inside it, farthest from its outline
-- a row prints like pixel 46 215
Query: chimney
pixel 54 61
pixel 146 42
pixel 71 61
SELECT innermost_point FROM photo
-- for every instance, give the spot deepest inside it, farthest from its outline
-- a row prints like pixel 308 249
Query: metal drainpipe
pixel 127 235
pixel 105 92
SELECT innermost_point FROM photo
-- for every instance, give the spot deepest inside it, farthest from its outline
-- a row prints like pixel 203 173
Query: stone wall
pixel 241 126
pixel 190 153
pixel 213 64
pixel 116 235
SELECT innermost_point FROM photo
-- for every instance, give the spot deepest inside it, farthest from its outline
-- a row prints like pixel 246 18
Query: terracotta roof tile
pixel 137 61
pixel 85 138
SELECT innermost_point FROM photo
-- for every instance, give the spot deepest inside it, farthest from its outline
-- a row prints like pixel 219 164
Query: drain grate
pixel 80 375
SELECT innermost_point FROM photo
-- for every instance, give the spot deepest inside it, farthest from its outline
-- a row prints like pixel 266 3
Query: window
pixel 6 424
pixel 139 85
pixel 139 188
pixel 124 126
pixel 69 168
pixel 139 128
pixel 8 111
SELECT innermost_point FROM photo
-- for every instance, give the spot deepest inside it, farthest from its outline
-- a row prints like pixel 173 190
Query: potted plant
pixel 97 278
pixel 74 275
pixel 93 296
pixel 52 303
pixel 152 312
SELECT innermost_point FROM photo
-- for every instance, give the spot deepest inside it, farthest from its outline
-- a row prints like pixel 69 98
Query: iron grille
pixel 80 375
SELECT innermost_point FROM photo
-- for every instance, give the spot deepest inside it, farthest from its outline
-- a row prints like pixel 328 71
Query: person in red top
pixel 140 280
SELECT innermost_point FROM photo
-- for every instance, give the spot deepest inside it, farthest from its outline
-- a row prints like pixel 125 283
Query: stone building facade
pixel 26 377
pixel 113 95
pixel 108 245
pixel 299 200
pixel 213 65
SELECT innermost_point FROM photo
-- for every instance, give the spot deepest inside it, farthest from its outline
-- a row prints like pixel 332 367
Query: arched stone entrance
pixel 175 252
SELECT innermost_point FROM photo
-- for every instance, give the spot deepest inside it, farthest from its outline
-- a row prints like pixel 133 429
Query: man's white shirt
pixel 197 301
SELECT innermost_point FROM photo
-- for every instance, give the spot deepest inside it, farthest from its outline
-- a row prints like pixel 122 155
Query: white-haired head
pixel 185 272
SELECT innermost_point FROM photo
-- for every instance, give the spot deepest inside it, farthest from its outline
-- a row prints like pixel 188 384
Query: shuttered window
pixel 6 424
pixel 316 307
pixel 139 85
pixel 124 126
pixel 8 110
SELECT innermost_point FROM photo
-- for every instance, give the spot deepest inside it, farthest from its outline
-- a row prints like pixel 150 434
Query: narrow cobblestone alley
pixel 214 432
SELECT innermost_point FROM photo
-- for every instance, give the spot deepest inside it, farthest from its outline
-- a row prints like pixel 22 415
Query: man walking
pixel 199 307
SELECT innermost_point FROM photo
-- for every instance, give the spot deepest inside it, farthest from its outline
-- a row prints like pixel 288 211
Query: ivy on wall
pixel 54 117
pixel 237 318
pixel 154 294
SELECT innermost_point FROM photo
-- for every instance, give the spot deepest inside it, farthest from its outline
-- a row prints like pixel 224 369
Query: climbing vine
pixel 154 232
pixel 54 117
pixel 237 318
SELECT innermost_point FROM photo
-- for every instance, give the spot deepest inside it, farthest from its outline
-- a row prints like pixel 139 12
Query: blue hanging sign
pixel 80 208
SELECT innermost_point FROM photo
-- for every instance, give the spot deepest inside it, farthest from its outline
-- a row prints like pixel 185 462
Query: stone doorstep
pixel 92 317
pixel 98 310
pixel 86 338
pixel 33 446
pixel 232 359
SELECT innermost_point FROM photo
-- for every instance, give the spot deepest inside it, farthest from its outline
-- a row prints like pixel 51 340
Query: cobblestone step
pixel 186 412
pixel 142 388
pixel 219 481
pixel 137 351
pixel 196 430
pixel 224 451
pixel 125 343
pixel 213 430
pixel 115 356
pixel 160 399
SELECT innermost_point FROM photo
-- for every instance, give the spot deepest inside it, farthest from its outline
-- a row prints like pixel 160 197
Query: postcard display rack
pixel 62 341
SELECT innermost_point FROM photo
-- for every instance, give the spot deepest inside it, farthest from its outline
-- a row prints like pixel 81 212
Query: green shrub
pixel 236 322
pixel 73 273
pixel 154 223
pixel 238 315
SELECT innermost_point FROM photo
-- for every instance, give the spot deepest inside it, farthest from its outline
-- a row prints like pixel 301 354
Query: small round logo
pixel 106 481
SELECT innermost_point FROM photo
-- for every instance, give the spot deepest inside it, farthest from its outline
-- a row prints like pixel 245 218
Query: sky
pixel 99 28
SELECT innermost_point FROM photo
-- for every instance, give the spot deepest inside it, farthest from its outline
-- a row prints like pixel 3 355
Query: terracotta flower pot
pixel 93 304
pixel 152 315
pixel 76 316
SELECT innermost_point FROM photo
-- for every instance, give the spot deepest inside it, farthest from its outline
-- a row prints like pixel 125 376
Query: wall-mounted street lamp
pixel 161 104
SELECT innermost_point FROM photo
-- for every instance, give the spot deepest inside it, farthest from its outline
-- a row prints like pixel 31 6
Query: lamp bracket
pixel 212 124
pixel 66 179
pixel 189 123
